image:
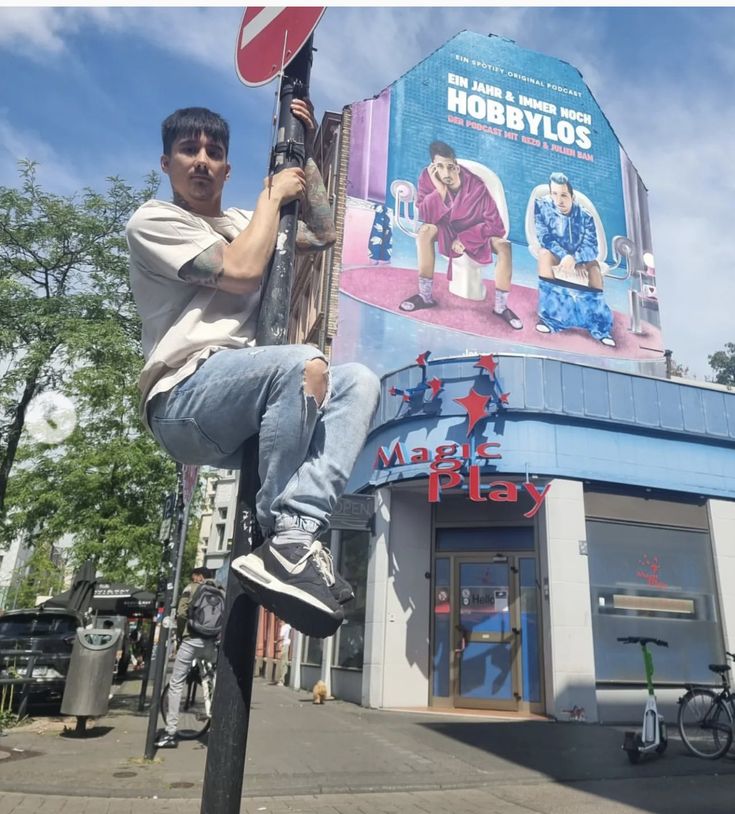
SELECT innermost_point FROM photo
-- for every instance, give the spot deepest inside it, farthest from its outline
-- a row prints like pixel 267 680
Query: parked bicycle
pixel 706 716
pixel 196 699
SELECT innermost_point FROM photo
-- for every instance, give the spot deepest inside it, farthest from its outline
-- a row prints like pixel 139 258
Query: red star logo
pixel 435 385
pixel 504 398
pixel 488 363
pixel 475 405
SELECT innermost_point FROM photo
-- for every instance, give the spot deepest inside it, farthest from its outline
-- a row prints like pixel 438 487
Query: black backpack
pixel 206 609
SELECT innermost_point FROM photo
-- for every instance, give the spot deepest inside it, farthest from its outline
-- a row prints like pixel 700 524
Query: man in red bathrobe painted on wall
pixel 459 213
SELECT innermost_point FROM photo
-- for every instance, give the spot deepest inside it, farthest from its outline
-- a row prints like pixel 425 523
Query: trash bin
pixel 89 680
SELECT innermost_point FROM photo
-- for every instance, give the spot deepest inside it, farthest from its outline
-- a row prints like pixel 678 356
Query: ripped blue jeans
pixel 306 451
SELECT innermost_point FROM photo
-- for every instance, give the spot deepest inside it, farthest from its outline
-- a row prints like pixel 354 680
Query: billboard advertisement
pixel 490 206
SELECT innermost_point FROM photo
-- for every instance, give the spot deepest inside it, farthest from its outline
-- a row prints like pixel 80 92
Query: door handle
pixel 516 631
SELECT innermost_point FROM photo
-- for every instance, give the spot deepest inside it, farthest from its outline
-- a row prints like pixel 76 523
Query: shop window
pixel 653 581
pixel 220 536
pixel 312 653
pixel 352 565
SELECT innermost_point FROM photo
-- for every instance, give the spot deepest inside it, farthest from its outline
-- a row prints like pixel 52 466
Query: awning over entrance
pixel 113 598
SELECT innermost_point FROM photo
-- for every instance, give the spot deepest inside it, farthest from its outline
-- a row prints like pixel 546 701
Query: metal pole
pixel 151 650
pixel 148 656
pixel 158 656
pixel 177 574
pixel 223 775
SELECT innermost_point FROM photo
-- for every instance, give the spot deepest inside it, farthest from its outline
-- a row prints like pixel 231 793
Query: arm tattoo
pixel 317 230
pixel 206 268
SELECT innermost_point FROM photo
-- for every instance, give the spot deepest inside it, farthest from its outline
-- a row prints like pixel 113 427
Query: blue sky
pixel 84 91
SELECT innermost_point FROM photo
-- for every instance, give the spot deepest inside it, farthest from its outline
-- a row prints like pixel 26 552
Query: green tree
pixel 723 363
pixel 43 577
pixel 68 321
pixel 64 295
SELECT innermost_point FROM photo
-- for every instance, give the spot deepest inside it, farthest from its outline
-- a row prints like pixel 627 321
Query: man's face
pixel 198 170
pixel 197 578
pixel 562 198
pixel 447 171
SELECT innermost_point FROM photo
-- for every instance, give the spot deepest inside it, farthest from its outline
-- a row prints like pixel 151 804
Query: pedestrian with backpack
pixel 198 623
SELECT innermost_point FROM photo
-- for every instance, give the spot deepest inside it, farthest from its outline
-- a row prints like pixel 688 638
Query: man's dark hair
pixel 191 122
pixel 561 179
pixel 200 572
pixel 442 149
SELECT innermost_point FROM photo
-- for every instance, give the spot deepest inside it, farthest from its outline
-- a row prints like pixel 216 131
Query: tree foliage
pixel 68 322
pixel 723 363
pixel 43 577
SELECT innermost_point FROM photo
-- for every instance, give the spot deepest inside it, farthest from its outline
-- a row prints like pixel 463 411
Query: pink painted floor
pixel 386 287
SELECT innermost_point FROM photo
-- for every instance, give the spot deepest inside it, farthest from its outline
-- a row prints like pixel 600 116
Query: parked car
pixel 50 630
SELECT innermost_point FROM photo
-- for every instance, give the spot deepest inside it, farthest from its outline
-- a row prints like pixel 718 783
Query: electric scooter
pixel 652 737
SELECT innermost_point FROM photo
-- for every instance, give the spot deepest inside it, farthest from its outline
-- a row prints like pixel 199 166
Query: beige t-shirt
pixel 183 323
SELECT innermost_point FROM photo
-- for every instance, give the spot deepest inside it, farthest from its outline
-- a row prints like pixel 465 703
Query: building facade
pixel 539 491
pixel 218 517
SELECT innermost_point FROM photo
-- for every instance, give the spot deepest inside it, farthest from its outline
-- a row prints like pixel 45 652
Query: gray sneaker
pixel 340 587
pixel 342 590
pixel 293 576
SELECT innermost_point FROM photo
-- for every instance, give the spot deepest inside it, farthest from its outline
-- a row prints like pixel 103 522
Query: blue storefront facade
pixel 601 505
pixel 539 490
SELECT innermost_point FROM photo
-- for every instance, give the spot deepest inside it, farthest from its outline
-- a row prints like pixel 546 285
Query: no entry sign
pixel 269 38
pixel 190 477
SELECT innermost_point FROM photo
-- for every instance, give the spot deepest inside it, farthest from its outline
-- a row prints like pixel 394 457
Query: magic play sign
pixel 457 465
pixel 453 465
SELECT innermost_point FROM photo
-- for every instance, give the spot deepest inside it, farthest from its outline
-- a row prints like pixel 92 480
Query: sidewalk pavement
pixel 340 758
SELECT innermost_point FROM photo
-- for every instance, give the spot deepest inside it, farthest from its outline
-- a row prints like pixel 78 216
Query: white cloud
pixel 53 172
pixel 37 33
pixel 679 146
pixel 386 42
pixel 204 35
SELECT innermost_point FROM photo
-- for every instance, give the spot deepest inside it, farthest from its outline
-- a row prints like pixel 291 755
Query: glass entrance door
pixel 486 632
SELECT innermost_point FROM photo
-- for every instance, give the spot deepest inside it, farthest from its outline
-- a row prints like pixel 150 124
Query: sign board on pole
pixel 168 513
pixel 269 38
pixel 190 475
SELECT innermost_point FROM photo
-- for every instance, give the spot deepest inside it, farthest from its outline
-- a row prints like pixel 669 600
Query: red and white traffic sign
pixel 190 476
pixel 269 38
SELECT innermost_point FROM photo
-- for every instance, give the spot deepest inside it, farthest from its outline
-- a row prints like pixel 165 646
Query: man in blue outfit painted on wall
pixel 570 279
